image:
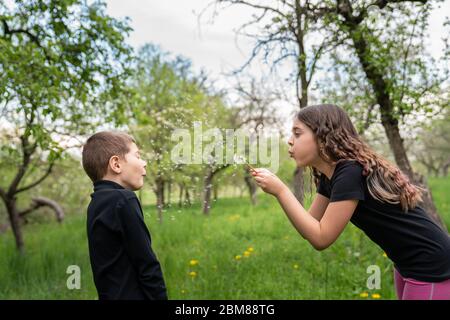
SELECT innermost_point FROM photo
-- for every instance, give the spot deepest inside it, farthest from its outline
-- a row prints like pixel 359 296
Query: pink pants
pixel 410 289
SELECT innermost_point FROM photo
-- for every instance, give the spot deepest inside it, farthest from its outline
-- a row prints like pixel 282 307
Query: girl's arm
pixel 318 206
pixel 321 234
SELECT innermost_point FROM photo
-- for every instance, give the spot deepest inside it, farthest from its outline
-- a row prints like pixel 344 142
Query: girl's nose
pixel 290 141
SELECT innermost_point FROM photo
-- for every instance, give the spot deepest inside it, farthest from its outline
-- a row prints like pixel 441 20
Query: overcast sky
pixel 174 25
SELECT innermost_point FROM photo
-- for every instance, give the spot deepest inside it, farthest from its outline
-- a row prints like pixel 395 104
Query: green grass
pixel 440 190
pixel 282 265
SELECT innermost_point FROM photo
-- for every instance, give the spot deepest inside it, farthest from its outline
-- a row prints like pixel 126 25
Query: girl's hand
pixel 268 181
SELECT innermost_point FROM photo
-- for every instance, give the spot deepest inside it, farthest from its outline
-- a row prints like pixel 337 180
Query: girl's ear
pixel 114 164
pixel 322 153
pixel 321 147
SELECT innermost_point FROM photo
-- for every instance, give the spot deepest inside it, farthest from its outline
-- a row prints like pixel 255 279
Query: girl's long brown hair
pixel 338 140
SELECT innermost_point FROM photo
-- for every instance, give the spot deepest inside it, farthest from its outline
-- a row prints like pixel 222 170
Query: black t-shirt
pixel 419 248
pixel 123 263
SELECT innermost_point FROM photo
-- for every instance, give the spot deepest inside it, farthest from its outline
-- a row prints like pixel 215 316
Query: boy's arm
pixel 137 244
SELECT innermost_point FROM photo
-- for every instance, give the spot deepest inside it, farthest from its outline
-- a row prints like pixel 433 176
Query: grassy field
pixel 238 252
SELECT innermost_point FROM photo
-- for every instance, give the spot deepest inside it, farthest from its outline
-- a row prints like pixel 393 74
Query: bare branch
pixel 257 49
pixel 256 6
pixel 367 121
pixel 49 170
pixel 314 63
pixel 41 202
pixel 27 151
pixel 383 3
pixel 218 169
pixel 28 33
pixel 280 59
pixel 345 9
pixel 6 101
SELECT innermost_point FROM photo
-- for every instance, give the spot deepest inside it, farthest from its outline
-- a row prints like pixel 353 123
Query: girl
pixel 355 184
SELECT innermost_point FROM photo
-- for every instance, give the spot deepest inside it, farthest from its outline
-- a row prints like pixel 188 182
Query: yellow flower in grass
pixel 193 262
pixel 376 296
pixel 238 257
pixel 364 295
pixel 183 291
pixel 246 254
pixel 295 266
pixel 250 249
pixel 193 274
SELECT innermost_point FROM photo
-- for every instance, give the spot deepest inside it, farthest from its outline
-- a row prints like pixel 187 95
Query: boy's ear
pixel 114 164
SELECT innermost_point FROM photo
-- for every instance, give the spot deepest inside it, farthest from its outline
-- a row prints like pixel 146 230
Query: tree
pixel 283 29
pixel 432 149
pixel 386 37
pixel 168 96
pixel 254 111
pixel 62 66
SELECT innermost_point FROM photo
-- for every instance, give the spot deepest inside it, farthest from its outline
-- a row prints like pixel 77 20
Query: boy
pixel 122 260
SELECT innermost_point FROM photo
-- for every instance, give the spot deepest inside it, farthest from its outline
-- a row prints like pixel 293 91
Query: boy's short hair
pixel 100 147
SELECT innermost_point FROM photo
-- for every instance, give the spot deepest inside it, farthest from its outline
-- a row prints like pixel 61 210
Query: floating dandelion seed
pixel 241 160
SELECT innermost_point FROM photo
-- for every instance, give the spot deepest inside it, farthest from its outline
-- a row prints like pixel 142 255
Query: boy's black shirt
pixel 123 263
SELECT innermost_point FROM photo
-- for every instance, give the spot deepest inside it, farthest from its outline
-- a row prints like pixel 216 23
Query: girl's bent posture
pixel 355 184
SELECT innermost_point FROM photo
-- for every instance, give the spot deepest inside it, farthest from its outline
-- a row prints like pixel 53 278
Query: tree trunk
pixel 180 199
pixel 169 192
pixel 9 197
pixel 216 192
pixel 159 192
pixel 163 195
pixel 252 187
pixel 14 220
pixel 207 191
pixel 445 168
pixel 299 189
pixel 301 91
pixel 396 144
pixel 140 195
pixel 188 197
pixel 388 120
